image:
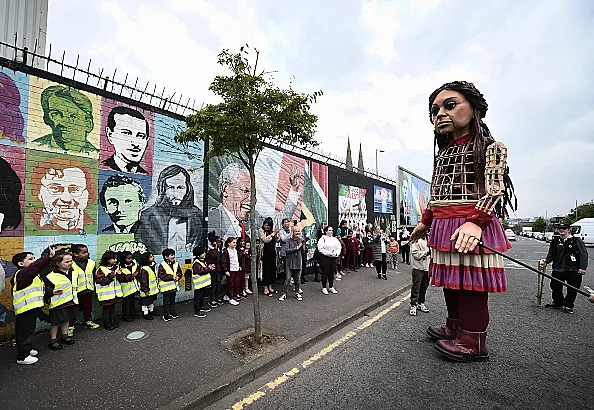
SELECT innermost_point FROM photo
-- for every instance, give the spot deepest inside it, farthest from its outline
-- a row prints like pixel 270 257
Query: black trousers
pixel 108 314
pixel 129 307
pixel 215 288
pixel 420 283
pixel 381 266
pixel 169 303
pixel 200 298
pixel 328 266
pixel 405 251
pixel 25 329
pixel 573 278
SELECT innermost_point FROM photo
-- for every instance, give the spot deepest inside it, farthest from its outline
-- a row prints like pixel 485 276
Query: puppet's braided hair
pixel 482 138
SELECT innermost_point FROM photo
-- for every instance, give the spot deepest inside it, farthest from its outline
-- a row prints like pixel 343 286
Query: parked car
pixel 539 236
pixel 549 236
pixel 511 236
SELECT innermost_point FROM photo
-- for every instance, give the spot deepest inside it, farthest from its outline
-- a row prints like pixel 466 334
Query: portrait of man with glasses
pixel 65 188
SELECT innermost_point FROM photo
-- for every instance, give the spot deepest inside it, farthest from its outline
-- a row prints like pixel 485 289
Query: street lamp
pixel 376 151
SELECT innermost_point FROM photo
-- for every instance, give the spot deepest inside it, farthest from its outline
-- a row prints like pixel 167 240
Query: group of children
pixel 357 251
pixel 66 281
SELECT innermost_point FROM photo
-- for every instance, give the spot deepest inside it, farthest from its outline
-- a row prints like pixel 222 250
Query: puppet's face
pixel 451 112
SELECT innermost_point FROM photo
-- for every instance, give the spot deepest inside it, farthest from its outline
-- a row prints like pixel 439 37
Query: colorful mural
pixel 414 194
pixel 352 206
pixel 287 187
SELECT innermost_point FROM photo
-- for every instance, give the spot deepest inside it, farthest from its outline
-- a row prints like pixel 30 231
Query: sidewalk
pixel 105 370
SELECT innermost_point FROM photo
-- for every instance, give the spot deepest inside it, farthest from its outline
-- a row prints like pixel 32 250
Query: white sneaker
pixel 28 360
pixel 33 352
pixel 233 302
pixel 300 291
pixel 423 308
pixel 283 297
pixel 332 290
pixel 413 311
pixel 324 291
pixel 249 292
pixel 337 278
pixel 298 297
pixel 226 298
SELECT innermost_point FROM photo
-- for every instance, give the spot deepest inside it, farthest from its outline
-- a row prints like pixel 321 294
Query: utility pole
pixel 576 210
pixel 376 151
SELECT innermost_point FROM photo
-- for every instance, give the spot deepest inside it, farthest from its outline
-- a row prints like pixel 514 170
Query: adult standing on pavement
pixel 470 190
pixel 420 275
pixel 284 235
pixel 570 261
pixel 380 248
pixel 404 237
pixel 293 264
pixel 268 241
pixel 329 250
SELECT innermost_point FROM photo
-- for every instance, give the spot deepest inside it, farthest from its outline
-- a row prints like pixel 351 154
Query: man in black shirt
pixel 570 261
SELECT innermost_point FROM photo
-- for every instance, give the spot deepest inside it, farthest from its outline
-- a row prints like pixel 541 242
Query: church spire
pixel 360 164
pixel 349 158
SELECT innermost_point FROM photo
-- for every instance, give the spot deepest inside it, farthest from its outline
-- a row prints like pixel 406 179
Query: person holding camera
pixel 570 261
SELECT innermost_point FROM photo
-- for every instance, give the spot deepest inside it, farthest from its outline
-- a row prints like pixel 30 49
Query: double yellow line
pixel 273 384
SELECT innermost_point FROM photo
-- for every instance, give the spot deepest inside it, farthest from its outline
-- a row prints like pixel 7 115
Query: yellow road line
pixel 268 387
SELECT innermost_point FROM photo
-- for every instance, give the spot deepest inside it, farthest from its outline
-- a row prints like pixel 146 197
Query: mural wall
pixel 287 187
pixel 79 167
pixel 414 194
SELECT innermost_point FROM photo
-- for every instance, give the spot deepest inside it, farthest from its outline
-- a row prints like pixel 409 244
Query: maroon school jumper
pixel 105 280
pixel 85 298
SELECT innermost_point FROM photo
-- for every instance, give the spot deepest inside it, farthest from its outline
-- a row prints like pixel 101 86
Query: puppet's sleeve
pixel 495 165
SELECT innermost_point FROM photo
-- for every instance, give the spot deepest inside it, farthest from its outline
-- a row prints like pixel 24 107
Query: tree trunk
pixel 254 237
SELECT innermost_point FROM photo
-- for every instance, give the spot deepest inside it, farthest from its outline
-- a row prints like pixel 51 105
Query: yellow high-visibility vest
pixel 84 279
pixel 169 285
pixel 28 298
pixel 200 281
pixel 153 283
pixel 61 282
pixel 129 288
pixel 108 292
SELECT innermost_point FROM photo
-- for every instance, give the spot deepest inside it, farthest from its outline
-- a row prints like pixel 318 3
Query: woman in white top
pixel 329 249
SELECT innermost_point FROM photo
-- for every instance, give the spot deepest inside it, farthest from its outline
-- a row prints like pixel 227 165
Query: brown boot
pixel 444 332
pixel 466 347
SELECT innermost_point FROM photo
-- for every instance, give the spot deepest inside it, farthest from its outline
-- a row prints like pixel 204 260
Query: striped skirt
pixel 481 270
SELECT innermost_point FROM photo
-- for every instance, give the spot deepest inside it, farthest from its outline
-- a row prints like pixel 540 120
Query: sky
pixel 376 62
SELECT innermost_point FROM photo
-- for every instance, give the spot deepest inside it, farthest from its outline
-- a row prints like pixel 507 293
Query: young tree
pixel 253 110
pixel 585 210
pixel 539 224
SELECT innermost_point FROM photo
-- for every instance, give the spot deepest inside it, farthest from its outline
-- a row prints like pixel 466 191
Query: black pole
pixel 534 270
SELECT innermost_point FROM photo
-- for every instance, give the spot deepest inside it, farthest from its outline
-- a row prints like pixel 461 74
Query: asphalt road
pixel 540 358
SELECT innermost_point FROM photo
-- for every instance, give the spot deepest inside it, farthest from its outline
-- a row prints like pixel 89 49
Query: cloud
pixel 377 61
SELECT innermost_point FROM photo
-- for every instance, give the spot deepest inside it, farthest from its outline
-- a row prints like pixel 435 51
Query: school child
pixel 245 264
pixel 201 282
pixel 127 277
pixel 27 300
pixel 353 251
pixel 393 249
pixel 109 291
pixel 169 273
pixel 340 261
pixel 232 271
pixel 214 256
pixel 60 294
pixel 148 286
pixel 84 269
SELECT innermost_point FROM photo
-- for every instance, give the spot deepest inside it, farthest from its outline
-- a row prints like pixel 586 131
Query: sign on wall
pixel 352 206
pixel 414 195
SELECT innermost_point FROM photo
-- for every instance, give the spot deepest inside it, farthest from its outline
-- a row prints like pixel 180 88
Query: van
pixel 584 229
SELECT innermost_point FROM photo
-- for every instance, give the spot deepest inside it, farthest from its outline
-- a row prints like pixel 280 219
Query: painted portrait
pixel 62 194
pixel 166 149
pixel 14 91
pixel 121 198
pixel 70 119
pixel 127 138
pixel 12 195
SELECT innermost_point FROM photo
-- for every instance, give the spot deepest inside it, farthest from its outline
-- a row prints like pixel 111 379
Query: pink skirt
pixel 480 270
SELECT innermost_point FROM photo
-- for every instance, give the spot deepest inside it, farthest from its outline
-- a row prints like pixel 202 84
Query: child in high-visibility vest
pixel 129 270
pixel 27 300
pixel 60 294
pixel 109 291
pixel 169 273
pixel 84 269
pixel 201 282
pixel 149 288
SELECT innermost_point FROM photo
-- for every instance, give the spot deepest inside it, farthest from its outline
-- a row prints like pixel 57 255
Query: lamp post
pixel 376 151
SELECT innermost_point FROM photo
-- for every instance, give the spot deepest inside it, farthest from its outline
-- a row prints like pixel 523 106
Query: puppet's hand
pixel 467 237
